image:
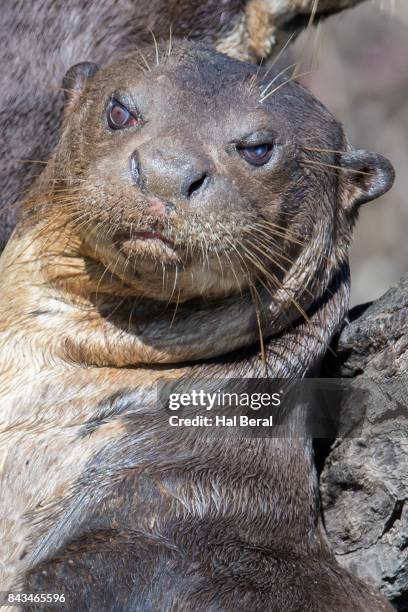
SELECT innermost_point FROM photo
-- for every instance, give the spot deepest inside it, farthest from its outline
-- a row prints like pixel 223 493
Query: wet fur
pixel 102 500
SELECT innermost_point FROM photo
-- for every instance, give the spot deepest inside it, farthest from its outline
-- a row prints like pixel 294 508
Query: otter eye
pixel 119 117
pixel 257 155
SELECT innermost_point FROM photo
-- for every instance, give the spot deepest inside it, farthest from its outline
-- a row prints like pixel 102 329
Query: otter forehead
pixel 204 92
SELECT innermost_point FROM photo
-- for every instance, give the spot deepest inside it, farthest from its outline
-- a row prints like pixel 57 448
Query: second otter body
pixel 194 202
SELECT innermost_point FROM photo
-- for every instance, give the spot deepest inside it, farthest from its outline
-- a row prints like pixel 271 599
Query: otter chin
pixel 194 220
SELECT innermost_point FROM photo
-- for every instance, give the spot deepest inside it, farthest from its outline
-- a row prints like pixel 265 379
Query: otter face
pixel 206 176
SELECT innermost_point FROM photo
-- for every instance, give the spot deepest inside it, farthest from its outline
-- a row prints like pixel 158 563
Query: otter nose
pixel 194 182
pixel 170 174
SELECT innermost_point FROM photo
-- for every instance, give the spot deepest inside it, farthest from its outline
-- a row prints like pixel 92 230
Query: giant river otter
pixel 195 208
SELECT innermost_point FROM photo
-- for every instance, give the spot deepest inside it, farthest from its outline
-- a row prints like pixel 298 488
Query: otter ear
pixel 366 176
pixel 75 80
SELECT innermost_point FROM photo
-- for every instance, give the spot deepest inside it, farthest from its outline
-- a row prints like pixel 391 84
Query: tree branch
pixel 364 484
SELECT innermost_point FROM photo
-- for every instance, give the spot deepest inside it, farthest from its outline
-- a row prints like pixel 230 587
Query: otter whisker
pixel 260 266
pixel 305 318
pixel 333 166
pixel 268 256
pixel 220 264
pixel 135 302
pixel 284 231
pixel 142 55
pixel 307 30
pixel 113 271
pixel 170 46
pixel 254 77
pixel 268 243
pixel 267 240
pixel 317 47
pixel 255 299
pixel 315 149
pixel 81 222
pixel 231 244
pixel 278 87
pixel 44 228
pixel 256 218
pixel 164 272
pixel 102 276
pixel 272 249
pixel 271 293
pixel 275 231
pixel 114 310
pixel 312 14
pixel 175 309
pixel 279 55
pixel 126 264
pixel 156 47
pixel 240 257
pixel 278 230
pixel 268 274
pixel 174 286
pixel 26 201
pixel 270 236
pixel 203 240
pixel 279 285
pixel 275 78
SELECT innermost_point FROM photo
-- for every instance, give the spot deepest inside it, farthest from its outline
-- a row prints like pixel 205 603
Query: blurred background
pixel 360 72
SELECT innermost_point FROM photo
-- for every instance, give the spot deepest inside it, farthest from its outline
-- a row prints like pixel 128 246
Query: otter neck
pixel 191 332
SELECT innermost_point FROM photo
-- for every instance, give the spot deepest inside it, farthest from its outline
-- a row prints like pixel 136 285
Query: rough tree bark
pixel 364 484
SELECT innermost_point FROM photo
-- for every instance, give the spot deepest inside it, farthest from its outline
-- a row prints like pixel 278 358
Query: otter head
pixel 194 175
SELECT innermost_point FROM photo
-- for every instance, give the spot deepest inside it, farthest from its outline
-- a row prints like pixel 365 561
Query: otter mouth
pixel 151 236
pixel 146 246
pixel 142 236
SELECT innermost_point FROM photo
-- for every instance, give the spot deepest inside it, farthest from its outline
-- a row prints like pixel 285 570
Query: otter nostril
pixel 135 169
pixel 195 184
